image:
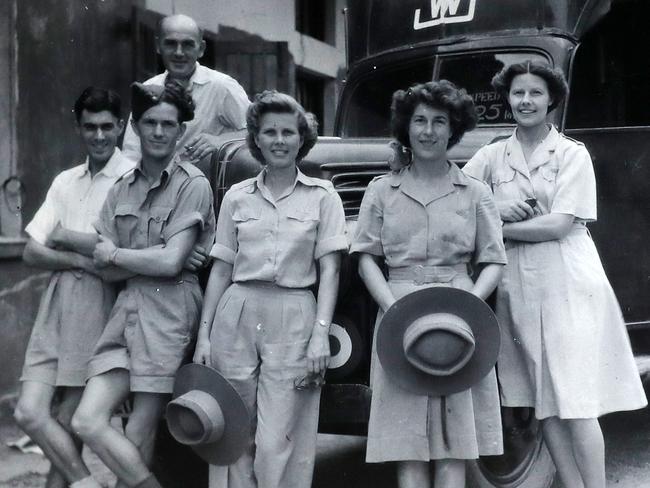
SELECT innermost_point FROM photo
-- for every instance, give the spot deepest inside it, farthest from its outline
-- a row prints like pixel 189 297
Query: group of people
pixel 513 219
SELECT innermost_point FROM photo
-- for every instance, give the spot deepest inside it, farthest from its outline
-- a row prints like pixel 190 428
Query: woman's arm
pixel 318 349
pixel 487 280
pixel 220 279
pixel 41 256
pixel 375 282
pixel 79 242
pixel 162 261
pixel 547 227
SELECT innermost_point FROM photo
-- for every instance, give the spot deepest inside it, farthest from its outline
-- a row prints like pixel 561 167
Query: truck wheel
pixel 526 463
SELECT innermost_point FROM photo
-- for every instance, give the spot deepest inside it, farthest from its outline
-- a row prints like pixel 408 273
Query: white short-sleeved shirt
pixel 221 105
pixel 559 174
pixel 75 198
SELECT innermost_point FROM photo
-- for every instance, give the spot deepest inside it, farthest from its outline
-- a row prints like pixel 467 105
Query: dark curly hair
pixel 143 97
pixel 96 100
pixel 272 101
pixel 442 95
pixel 554 78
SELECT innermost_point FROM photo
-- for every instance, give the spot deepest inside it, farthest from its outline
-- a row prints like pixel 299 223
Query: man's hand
pixel 514 210
pixel 202 352
pixel 400 156
pixel 196 260
pixel 201 146
pixel 55 237
pixel 104 253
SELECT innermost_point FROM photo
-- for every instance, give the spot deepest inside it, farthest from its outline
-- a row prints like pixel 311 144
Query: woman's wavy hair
pixel 272 101
pixel 442 95
pixel 554 78
pixel 143 97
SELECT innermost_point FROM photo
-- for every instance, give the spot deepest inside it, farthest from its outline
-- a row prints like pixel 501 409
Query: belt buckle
pixel 418 273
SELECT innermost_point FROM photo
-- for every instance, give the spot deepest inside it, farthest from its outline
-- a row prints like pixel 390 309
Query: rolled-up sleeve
pixel 193 207
pixel 225 242
pixel 46 218
pixel 576 185
pixel 367 236
pixel 489 246
pixel 331 235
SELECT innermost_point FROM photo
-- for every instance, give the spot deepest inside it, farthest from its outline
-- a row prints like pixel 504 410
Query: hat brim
pixel 236 416
pixel 411 307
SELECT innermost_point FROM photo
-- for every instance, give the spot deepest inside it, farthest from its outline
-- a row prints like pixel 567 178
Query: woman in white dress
pixel 565 350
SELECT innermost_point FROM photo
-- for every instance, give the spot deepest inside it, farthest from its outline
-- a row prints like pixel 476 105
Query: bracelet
pixel 113 256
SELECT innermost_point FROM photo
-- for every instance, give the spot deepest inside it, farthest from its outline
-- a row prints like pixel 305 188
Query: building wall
pixel 272 21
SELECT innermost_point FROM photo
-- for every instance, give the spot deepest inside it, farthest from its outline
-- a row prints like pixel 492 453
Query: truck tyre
pixel 526 463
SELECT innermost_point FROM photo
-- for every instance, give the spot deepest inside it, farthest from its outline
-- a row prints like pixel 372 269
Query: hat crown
pixel 196 418
pixel 438 344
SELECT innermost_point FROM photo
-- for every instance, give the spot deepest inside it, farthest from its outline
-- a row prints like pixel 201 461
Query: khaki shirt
pixel 137 215
pixel 279 240
pixel 406 223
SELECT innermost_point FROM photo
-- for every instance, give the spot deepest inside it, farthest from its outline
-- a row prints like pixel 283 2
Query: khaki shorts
pixel 151 332
pixel 71 317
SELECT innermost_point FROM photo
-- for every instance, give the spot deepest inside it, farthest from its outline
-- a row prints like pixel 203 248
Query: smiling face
pixel 159 130
pixel 529 100
pixel 99 132
pixel 429 133
pixel 279 139
pixel 180 46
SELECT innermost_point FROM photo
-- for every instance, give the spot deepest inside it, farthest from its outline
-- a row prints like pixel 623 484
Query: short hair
pixel 95 100
pixel 442 95
pixel 554 78
pixel 143 97
pixel 272 101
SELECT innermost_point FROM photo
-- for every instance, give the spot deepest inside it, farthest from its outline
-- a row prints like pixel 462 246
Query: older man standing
pixel 221 102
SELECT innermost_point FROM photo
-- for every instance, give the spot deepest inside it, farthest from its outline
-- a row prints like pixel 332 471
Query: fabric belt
pixel 421 274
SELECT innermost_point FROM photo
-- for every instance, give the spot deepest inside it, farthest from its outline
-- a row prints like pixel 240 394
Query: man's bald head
pixel 180 44
pixel 179 22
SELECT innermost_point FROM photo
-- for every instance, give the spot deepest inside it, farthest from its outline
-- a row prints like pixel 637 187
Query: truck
pixel 392 44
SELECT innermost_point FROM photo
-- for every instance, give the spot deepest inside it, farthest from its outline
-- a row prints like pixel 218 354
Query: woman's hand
pixel 514 210
pixel 197 259
pixel 104 253
pixel 202 352
pixel 318 350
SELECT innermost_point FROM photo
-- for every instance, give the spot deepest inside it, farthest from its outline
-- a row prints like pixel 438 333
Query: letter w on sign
pixel 445 12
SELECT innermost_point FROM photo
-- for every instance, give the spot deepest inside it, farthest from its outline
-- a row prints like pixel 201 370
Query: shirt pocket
pixel 158 218
pixel 501 176
pixel 302 224
pixel 126 224
pixel 549 171
pixel 247 222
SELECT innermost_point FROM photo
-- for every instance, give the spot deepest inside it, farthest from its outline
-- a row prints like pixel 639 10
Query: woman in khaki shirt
pixel 261 326
pixel 428 223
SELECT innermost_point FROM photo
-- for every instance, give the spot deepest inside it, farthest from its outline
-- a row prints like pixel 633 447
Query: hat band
pixel 195 418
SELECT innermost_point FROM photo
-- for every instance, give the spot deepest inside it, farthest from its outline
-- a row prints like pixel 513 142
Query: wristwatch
pixel 323 323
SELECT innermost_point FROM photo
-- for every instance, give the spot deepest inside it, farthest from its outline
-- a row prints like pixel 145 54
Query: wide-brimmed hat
pixel 438 341
pixel 207 413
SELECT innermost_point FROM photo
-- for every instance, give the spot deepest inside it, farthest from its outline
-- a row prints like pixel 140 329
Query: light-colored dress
pixel 564 348
pixel 408 225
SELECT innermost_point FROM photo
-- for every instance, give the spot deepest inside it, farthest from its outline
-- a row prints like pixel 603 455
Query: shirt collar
pixel 456 176
pixel 414 189
pixel 541 155
pixel 164 175
pixel 301 178
pixel 199 77
pixel 115 167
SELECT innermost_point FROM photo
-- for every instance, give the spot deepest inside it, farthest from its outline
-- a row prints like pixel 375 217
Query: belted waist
pixel 421 274
pixel 182 277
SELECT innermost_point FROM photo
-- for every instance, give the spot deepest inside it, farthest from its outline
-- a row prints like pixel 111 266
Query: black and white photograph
pixel 324 243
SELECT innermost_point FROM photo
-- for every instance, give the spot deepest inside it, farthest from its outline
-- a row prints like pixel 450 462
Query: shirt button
pixel 157 219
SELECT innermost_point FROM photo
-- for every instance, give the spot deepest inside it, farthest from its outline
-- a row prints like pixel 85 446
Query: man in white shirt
pixel 220 101
pixel 77 302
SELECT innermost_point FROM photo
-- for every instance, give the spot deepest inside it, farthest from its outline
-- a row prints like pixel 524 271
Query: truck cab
pixel 394 44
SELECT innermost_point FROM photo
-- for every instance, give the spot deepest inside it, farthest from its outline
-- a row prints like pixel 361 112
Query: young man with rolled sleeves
pixel 76 303
pixel 151 220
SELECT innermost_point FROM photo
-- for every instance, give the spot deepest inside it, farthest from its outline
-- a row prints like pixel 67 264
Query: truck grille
pixel 350 180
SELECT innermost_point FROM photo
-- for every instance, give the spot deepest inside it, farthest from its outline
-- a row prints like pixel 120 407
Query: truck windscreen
pixel 367 112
